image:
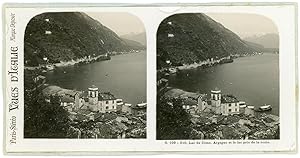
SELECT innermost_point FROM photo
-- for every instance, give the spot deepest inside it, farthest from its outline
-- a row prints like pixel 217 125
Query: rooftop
pixel 55 90
pixel 216 90
pixel 229 99
pixel 67 99
pixel 106 96
pixel 93 88
pixel 189 101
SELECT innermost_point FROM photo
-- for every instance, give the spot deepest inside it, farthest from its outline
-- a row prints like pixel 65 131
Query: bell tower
pixel 216 100
pixel 93 95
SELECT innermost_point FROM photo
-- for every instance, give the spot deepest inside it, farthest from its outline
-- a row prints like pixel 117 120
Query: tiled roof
pixel 67 99
pixel 189 101
pixel 106 96
pixel 229 99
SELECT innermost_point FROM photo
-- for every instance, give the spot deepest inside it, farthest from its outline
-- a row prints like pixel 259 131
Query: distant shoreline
pixel 210 63
pixel 85 60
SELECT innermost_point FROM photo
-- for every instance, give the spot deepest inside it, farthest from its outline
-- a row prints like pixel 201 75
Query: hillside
pixel 267 40
pixel 66 36
pixel 133 44
pixel 139 37
pixel 256 46
pixel 188 38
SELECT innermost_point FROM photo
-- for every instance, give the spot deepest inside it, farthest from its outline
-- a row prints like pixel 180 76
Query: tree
pixel 43 119
pixel 173 122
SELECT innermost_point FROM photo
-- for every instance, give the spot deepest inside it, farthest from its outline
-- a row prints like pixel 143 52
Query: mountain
pixel 139 37
pixel 134 44
pixel 65 36
pixel 193 37
pixel 269 40
pixel 256 46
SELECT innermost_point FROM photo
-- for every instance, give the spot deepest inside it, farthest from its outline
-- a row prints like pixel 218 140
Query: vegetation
pixel 67 36
pixel 188 38
pixel 173 122
pixel 134 45
pixel 42 119
pixel 138 37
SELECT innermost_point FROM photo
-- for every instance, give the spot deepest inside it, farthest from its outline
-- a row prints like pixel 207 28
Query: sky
pixel 245 25
pixel 120 23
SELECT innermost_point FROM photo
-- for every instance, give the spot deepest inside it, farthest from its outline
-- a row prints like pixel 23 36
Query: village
pixel 95 114
pixel 217 115
pixel 222 116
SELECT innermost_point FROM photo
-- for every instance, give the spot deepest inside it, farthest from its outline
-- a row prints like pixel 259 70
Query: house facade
pixel 101 102
pixel 218 103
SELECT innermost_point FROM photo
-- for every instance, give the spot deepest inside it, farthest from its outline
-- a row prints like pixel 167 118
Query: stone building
pixel 218 103
pixel 100 102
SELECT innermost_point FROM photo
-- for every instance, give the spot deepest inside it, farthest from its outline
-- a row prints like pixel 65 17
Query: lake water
pixel 123 75
pixel 253 79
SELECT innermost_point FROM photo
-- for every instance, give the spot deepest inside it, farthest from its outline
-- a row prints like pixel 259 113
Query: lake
pixel 124 76
pixel 253 79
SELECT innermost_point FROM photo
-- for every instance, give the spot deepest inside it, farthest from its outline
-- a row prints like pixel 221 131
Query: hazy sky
pixel 245 25
pixel 120 23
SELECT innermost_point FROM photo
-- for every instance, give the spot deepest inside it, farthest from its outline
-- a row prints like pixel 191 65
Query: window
pixel 229 110
pixel 106 102
pixel 229 105
pixel 113 101
pixel 113 107
pixel 106 107
pixel 236 109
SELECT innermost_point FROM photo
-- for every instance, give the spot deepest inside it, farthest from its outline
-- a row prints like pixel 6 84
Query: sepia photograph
pixel 134 79
pixel 85 76
pixel 217 77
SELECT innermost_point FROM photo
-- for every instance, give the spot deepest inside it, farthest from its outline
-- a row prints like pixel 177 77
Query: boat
pixel 264 108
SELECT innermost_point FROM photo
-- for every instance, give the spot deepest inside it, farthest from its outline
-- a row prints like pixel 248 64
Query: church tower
pixel 93 95
pixel 216 100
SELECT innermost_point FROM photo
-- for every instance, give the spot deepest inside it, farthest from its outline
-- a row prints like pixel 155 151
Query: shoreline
pixel 80 61
pixel 209 62
pixel 172 92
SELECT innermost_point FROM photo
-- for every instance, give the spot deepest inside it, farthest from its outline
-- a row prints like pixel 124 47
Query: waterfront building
pixel 242 107
pixel 126 108
pixel 230 105
pixel 140 108
pixel 119 104
pixel 92 100
pixel 218 103
pixel 249 110
pixel 101 102
pixel 215 96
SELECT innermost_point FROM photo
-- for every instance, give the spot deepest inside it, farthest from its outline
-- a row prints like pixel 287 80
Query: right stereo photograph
pixel 217 77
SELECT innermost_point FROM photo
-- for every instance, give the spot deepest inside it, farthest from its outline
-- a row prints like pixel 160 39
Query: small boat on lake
pixel 264 108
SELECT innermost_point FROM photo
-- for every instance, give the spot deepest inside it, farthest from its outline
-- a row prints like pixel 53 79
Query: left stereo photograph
pixel 85 76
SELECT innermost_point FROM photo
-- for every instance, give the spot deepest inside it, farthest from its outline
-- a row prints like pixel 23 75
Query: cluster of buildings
pixel 218 104
pixel 93 100
pixel 111 116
